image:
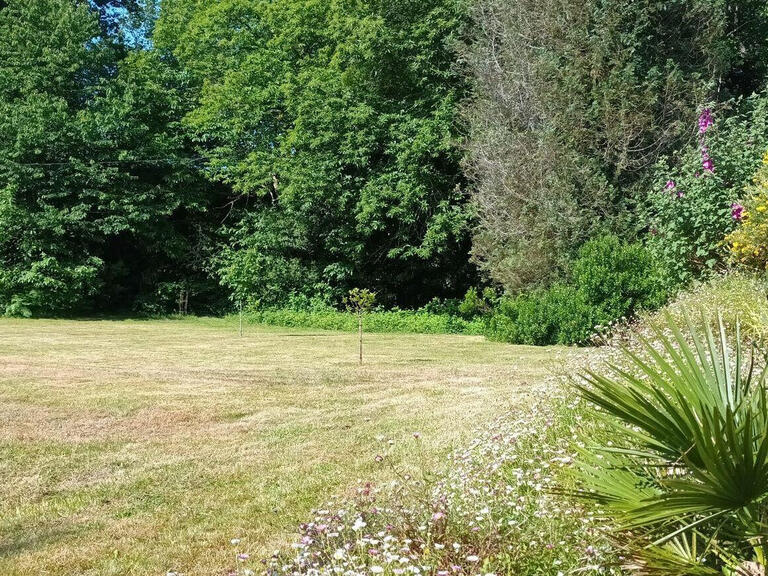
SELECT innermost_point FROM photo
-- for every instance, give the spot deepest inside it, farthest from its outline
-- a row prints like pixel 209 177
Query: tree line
pixel 274 152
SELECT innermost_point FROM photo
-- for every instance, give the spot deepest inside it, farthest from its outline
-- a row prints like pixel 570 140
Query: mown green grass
pixel 131 447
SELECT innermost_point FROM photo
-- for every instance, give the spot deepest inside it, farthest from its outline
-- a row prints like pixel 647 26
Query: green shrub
pixel 258 267
pixel 48 286
pixel 617 278
pixel 380 321
pixel 476 304
pixel 610 279
pixel 558 315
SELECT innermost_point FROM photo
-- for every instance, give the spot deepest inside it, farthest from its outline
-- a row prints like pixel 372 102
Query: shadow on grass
pixel 24 539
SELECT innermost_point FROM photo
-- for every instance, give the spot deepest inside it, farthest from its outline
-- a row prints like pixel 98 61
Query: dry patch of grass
pixel 131 447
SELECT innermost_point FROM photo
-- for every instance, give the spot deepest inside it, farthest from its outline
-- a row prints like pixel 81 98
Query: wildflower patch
pixel 497 508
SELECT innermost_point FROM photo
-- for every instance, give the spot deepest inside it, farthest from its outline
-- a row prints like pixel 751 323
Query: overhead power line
pixel 113 162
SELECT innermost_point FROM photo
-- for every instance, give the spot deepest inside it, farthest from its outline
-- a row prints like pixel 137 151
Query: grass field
pixel 130 447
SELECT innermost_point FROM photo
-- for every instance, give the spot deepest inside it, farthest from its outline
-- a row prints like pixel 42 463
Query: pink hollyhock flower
pixel 737 211
pixel 705 120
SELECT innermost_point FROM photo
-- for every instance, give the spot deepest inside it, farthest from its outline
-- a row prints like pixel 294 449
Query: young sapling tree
pixel 359 302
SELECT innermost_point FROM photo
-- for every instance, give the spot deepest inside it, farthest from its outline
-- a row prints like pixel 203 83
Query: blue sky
pixel 134 31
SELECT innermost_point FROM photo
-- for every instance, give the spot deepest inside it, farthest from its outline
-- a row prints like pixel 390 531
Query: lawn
pixel 139 447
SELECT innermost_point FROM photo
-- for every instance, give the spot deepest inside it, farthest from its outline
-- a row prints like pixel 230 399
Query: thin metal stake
pixel 360 334
pixel 241 319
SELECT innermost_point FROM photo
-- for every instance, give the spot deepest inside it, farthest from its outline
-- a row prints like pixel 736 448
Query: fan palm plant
pixel 686 470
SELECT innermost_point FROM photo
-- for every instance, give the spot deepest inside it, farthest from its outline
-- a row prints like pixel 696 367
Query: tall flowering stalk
pixel 705 123
pixel 705 120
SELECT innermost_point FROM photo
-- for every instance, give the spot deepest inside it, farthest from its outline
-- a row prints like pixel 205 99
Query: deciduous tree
pixel 335 125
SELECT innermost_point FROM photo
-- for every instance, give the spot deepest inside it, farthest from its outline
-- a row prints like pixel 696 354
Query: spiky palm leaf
pixel 692 420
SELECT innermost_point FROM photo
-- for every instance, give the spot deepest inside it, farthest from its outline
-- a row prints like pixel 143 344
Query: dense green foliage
pixel 398 321
pixel 539 159
pixel 690 206
pixel 282 148
pixel 576 100
pixel 610 280
pixel 333 125
pixel 87 214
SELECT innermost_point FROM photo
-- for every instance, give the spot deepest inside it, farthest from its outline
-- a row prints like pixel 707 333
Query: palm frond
pixel 692 415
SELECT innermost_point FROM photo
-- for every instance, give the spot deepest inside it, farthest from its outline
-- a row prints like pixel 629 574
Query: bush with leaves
pixel 263 264
pixel 610 279
pixel 314 313
pixel 557 315
pixel 47 286
pixel 748 243
pixel 617 277
pixel 686 472
pixel 692 206
pixel 476 303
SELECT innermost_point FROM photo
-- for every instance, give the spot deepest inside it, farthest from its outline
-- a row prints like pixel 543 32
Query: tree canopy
pixel 282 148
pixel 271 152
pixel 334 127
pixel 95 177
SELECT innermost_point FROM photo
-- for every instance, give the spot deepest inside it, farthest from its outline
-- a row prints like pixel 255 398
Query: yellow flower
pixel 761 208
